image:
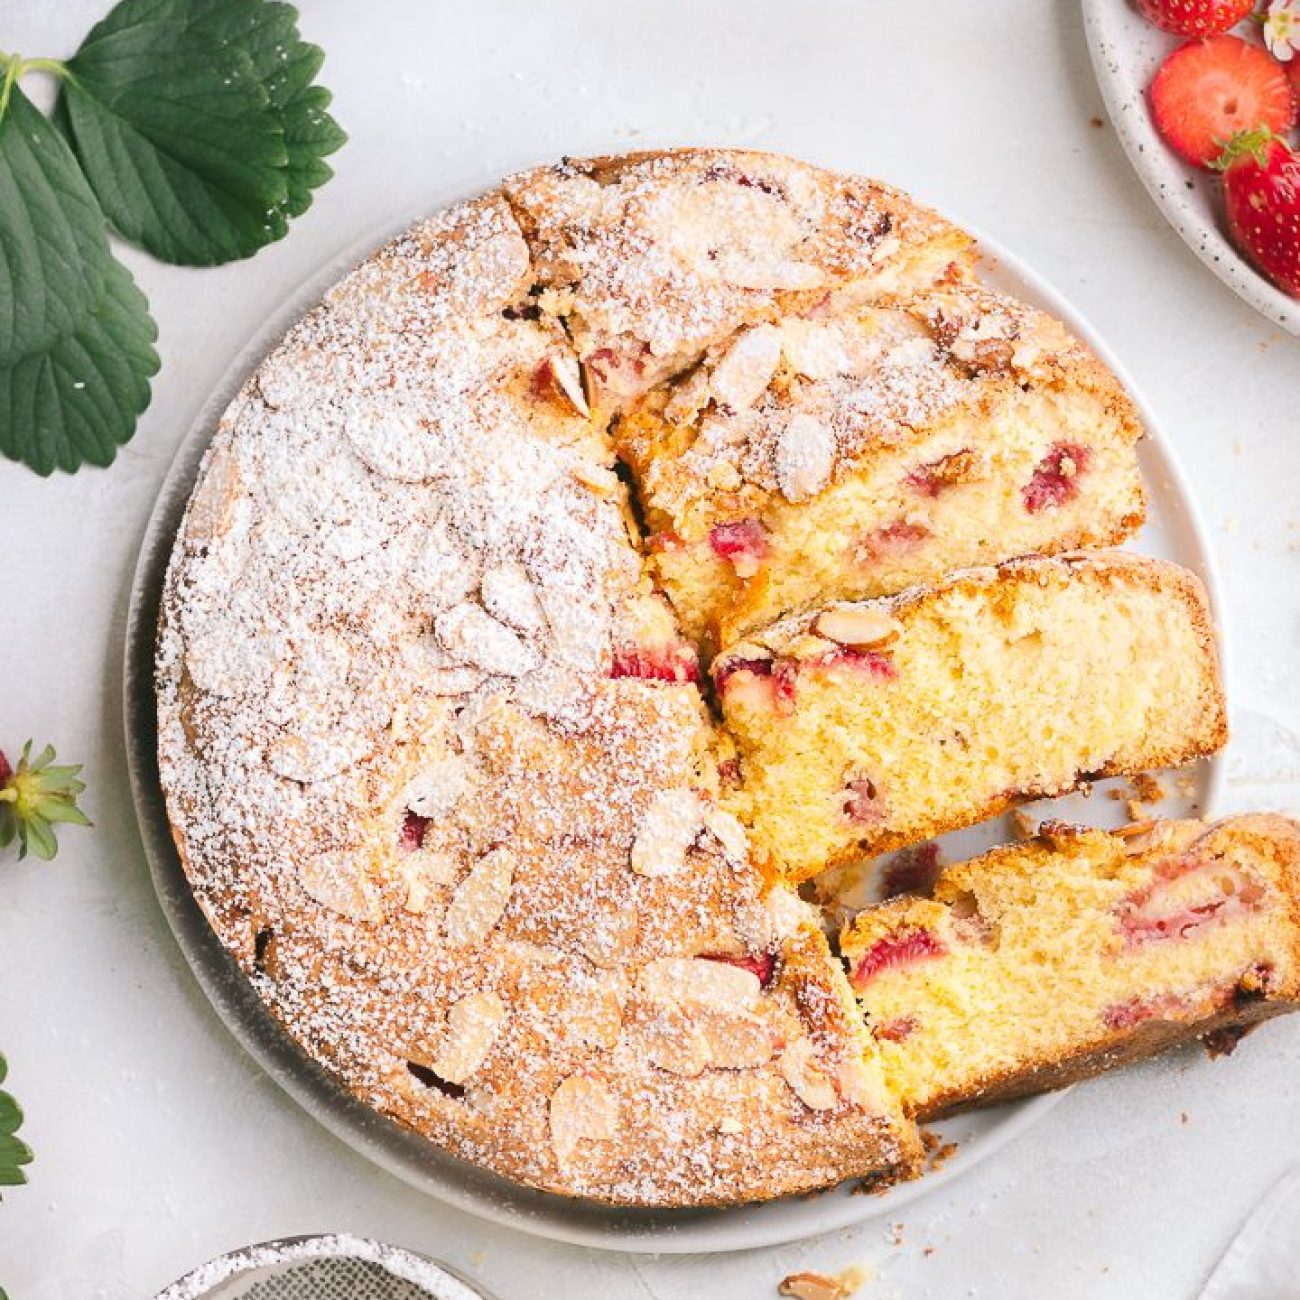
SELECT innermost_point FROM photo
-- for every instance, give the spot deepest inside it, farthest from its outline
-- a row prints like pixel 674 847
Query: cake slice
pixel 871 725
pixel 648 259
pixel 1045 962
pixel 852 455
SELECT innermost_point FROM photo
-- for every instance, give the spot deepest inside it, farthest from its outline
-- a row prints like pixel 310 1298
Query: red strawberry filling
pixel 411 836
pixel 899 538
pixel 1134 1011
pixel 897 1030
pixel 761 964
pixel 896 950
pixel 1056 477
pixel 1184 897
pixel 6 772
pixel 606 363
pixel 862 802
pixel 671 663
pixel 743 542
pixel 937 476
pixel 912 871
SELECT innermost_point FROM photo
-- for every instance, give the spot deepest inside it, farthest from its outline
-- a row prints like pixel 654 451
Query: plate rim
pixel 1142 145
pixel 404 1154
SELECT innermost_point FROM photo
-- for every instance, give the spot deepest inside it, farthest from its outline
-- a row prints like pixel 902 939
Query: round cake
pixel 437 757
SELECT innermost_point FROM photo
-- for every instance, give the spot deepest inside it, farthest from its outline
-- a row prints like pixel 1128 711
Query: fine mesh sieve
pixel 336 1267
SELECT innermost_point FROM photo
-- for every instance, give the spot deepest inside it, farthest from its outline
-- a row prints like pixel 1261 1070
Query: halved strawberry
pixel 1195 17
pixel 1207 91
pixel 1261 189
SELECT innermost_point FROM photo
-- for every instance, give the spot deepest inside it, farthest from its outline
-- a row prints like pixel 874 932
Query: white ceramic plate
pixel 1126 51
pixel 1173 530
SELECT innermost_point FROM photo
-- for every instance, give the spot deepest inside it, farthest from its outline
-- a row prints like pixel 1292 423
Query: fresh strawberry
pixel 1195 17
pixel 1207 91
pixel 1261 188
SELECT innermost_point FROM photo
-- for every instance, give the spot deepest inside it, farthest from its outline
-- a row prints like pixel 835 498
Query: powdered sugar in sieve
pixel 334 1267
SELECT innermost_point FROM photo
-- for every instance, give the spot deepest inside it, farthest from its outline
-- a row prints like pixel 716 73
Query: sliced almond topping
pixel 472 636
pixel 595 1020
pixel 809 1082
pixel 473 1024
pixel 437 787
pixel 730 1124
pixel 744 371
pixel 736 1041
pixel 696 981
pixel 422 870
pixel 603 482
pixel 671 824
pixel 561 377
pixel 582 1110
pixel 212 507
pixel 809 647
pixel 508 593
pixel 689 397
pixel 339 881
pixel 805 456
pixel 728 831
pixel 672 1043
pixel 481 898
pixel 813 349
pixel 443 572
pixel 773 273
pixel 857 626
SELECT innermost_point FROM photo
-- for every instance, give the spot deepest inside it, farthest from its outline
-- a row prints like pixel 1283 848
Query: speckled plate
pixel 1173 530
pixel 1126 51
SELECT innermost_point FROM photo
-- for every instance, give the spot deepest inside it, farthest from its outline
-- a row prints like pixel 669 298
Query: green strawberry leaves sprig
pixel 195 129
pixel 14 1152
pixel 35 797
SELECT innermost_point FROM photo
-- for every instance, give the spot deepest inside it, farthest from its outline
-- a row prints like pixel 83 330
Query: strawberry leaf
pixel 198 124
pixel 76 401
pixel 14 1152
pixel 53 247
pixel 287 66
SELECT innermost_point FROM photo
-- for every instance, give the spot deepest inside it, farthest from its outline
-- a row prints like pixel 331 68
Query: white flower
pixel 1282 28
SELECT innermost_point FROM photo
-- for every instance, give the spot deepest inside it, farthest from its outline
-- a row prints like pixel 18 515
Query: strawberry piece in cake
pixel 902 718
pixel 1068 971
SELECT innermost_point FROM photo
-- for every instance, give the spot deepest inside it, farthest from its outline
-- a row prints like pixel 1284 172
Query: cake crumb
pixel 824 1286
pixel 896 1233
pixel 1184 1117
pixel 1023 824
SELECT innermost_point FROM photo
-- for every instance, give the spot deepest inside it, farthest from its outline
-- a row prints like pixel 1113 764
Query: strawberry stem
pixel 1253 143
pixel 35 796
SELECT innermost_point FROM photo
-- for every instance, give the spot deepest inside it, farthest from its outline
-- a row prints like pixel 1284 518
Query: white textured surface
pixel 158 1142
